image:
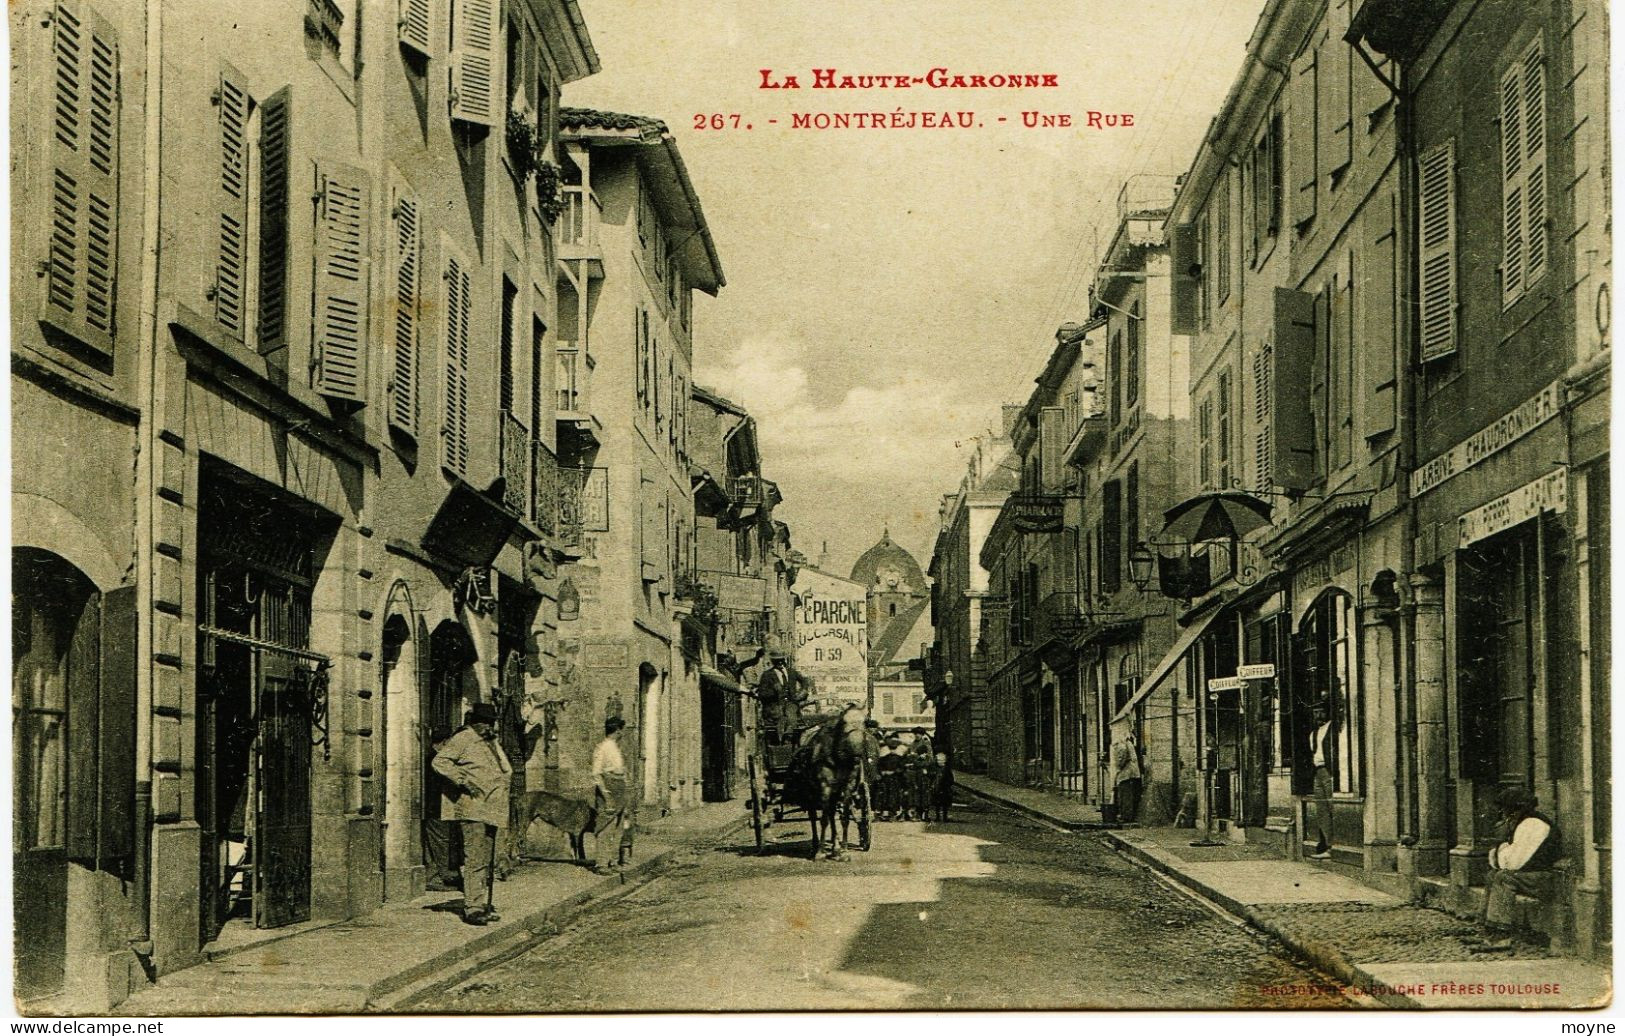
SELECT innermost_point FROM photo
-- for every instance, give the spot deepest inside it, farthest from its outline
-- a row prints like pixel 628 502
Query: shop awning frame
pixel 1182 644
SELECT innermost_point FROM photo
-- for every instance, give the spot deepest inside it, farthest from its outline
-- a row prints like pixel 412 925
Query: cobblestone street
pixel 988 911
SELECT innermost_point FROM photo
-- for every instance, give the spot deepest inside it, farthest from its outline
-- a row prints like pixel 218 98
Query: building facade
pixel 959 586
pixel 642 249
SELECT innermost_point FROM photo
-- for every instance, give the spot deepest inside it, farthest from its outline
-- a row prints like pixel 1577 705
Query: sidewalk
pixel 386 959
pixel 1397 953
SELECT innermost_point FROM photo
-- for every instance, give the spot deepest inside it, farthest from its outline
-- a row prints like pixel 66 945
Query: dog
pixel 572 816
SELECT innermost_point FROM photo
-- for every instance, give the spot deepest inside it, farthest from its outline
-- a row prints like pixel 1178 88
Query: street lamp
pixel 1140 564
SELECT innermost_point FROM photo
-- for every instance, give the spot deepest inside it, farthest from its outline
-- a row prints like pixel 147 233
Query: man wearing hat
pixel 1520 865
pixel 781 695
pixel 480 773
pixel 919 775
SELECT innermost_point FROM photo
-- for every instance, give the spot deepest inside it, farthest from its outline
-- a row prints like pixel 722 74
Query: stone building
pixel 625 285
pixel 228 291
pixel 959 587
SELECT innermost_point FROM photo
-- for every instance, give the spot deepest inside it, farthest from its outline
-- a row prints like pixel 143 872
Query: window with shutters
pixel 1436 218
pixel 1131 508
pixel 1524 244
pixel 1114 374
pixel 1263 447
pixel 253 198
pixel 654 385
pixel 458 288
pixel 81 262
pixel 405 311
pixel 1222 430
pixel 1264 174
pixel 640 328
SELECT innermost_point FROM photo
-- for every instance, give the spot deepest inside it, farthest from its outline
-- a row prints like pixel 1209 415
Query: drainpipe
pixel 145 483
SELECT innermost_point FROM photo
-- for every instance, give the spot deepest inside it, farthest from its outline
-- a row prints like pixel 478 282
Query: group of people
pixel 461 848
pixel 912 781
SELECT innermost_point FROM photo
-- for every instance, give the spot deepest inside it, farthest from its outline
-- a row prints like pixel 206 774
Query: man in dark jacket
pixel 782 696
pixel 1521 865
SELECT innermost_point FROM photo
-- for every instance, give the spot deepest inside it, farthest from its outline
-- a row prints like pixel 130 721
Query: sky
pixel 887 290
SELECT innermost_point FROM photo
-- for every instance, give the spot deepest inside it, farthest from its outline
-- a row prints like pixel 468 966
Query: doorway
pixel 54 630
pixel 401 807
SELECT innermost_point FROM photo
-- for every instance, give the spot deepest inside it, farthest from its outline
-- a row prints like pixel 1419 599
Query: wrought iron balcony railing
pixel 515 448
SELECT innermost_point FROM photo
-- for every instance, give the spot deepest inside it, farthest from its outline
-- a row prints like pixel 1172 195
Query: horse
pixel 823 774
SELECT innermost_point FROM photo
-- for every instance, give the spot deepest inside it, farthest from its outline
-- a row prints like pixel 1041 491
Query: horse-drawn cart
pixel 790 778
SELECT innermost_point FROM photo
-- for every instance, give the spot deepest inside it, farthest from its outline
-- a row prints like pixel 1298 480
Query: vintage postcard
pixel 587 506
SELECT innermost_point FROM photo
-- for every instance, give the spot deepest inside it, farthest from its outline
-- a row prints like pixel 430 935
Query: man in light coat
pixel 480 773
pixel 610 795
pixel 1126 776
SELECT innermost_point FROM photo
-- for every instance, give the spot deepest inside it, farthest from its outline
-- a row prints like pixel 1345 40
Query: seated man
pixel 1520 865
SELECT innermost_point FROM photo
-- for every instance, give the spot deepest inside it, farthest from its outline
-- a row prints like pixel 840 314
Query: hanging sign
pixel 1550 492
pixel 1259 671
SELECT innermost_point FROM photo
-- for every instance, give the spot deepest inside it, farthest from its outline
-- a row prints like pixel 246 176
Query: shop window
pixel 1325 671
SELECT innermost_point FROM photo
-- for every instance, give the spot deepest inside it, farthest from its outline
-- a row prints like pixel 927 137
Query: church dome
pixel 888 568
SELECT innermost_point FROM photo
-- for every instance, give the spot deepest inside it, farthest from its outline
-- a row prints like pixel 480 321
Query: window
pixel 505 374
pixel 1204 253
pixel 1204 442
pixel 891 609
pixel 476 26
pixel 1136 331
pixel 82 260
pixel 514 68
pixel 1223 446
pixel 568 375
pixel 1523 174
pixel 1114 374
pixel 1264 175
pixel 1221 250
pixel 888 703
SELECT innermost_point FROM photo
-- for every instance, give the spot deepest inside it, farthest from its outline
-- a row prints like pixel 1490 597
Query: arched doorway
pixel 55 626
pixel 400 810
pixel 449 690
pixel 1324 674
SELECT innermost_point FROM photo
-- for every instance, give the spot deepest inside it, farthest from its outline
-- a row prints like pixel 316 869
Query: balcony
pixel 578 228
pixel 515 445
pixel 1086 441
pixel 1060 617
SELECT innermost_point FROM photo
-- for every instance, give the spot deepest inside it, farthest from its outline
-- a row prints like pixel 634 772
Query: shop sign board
pixel 1550 492
pixel 832 634
pixel 1257 671
pixel 1530 414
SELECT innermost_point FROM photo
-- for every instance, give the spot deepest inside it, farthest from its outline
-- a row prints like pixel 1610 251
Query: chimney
pixel 823 556
pixel 1012 415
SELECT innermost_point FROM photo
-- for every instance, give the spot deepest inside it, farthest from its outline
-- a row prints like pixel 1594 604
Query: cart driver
pixel 781 695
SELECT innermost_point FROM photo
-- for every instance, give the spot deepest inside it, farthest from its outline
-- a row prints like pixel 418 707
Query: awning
pixel 1171 659
pixel 720 680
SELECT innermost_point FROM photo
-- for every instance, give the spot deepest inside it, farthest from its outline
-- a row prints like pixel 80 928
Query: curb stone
pixel 399 992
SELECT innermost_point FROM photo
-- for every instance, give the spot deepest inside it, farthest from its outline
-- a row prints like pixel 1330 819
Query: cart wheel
pixel 757 819
pixel 865 818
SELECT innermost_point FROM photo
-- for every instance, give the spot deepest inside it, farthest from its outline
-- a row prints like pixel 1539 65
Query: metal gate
pixel 263 707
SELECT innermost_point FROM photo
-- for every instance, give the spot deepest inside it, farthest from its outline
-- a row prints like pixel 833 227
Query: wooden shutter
pixel 640 333
pixel 416 19
pixel 1336 134
pixel 83 691
pixel 1302 136
pixel 1263 431
pixel 1223 249
pixel 1051 447
pixel 1534 162
pixel 276 129
pixel 1512 185
pixel 83 255
pixel 1436 216
pixel 1378 293
pixel 476 32
pixel 454 430
pixel 343 219
pixel 231 197
pixel 1182 258
pixel 403 378
pixel 1292 428
pixel 116 715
